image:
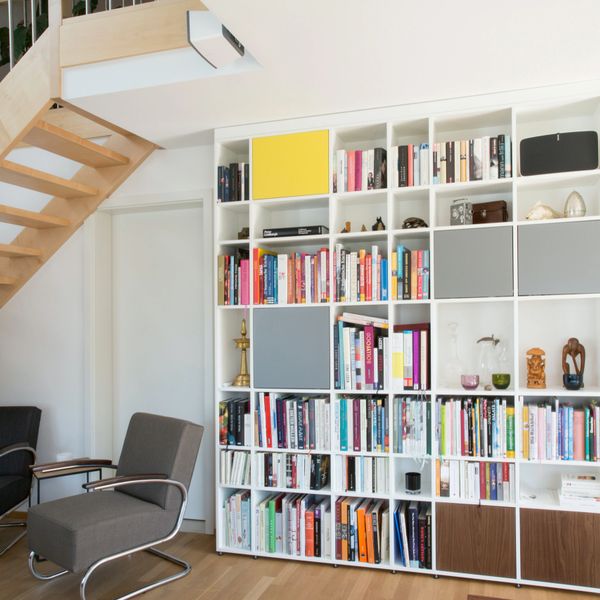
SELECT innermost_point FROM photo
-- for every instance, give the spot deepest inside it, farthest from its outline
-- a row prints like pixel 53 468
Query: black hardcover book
pixel 450 166
pixel 300 425
pixel 295 231
pixel 375 523
pixel 351 474
pixel 336 357
pixel 428 538
pixel 318 517
pixel 226 184
pixel 491 419
pixel 380 363
pixel 380 168
pixel 246 181
pixel 402 166
pixel 434 162
pixel 501 156
pixel 324 471
pixel 233 169
pixel 311 421
pixel 406 280
pixel 369 425
pixel 220 183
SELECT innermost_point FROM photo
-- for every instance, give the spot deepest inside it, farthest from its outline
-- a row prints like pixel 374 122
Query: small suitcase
pixel 490 212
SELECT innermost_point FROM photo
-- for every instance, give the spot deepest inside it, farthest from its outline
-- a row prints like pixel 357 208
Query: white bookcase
pixel 520 321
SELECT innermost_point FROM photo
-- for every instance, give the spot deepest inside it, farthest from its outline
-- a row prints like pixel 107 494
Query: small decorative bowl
pixel 501 380
pixel 572 381
pixel 469 382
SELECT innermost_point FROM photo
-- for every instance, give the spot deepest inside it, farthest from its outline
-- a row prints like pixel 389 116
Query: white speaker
pixel 212 40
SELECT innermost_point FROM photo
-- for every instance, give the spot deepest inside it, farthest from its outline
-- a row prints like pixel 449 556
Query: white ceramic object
pixel 575 205
pixel 541 212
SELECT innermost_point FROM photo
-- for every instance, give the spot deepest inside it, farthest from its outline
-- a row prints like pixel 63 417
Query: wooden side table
pixel 65 473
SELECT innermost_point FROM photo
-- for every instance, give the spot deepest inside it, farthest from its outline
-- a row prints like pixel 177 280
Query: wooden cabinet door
pixel 476 539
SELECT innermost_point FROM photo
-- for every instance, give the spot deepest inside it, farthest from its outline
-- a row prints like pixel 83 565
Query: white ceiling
pixel 321 56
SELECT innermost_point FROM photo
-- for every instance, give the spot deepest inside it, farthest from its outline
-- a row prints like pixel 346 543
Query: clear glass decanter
pixel 488 360
pixel 454 366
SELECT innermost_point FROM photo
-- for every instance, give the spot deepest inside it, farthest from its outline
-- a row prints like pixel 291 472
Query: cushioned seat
pixel 13 488
pixel 78 531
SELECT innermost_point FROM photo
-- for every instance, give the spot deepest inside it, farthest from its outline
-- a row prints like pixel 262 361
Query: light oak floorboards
pixel 234 577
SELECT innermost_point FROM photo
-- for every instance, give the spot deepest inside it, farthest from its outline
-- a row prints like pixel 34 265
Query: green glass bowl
pixel 501 380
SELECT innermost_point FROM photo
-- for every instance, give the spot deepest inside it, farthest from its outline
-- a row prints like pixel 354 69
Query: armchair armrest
pixel 18 447
pixel 73 464
pixel 123 480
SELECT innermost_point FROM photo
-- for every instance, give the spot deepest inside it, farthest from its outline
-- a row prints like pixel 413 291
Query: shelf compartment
pixel 405 465
pixel 410 202
pixel 360 208
pixel 412 534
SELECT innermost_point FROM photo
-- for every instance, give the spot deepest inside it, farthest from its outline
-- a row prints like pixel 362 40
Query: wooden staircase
pixel 27 97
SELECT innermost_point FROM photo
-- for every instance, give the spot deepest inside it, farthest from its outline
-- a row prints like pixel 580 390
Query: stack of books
pixel 292 422
pixel 472 160
pixel 294 471
pixel 412 526
pixel 233 182
pixel 237 521
pixel 294 524
pixel 360 276
pixel 362 530
pixel 360 348
pixel 296 278
pixel 470 480
pixel 409 165
pixel 580 491
pixel 359 170
pixel 362 424
pixel 235 467
pixel 475 427
pixel 363 474
pixel 235 423
pixel 552 431
pixel 412 426
pixel 410 274
pixel 411 351
pixel 233 279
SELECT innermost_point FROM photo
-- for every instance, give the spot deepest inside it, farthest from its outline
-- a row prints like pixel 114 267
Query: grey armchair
pixel 19 427
pixel 139 508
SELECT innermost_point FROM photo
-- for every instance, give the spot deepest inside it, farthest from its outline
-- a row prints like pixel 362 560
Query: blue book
pixel 426 268
pixel 400 254
pixel 343 425
pixel 493 482
pixel 398 531
pixel 384 279
pixel 570 428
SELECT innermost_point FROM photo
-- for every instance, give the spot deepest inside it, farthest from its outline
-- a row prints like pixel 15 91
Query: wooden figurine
pixel 573 350
pixel 379 225
pixel 536 368
pixel 363 228
pixel 347 227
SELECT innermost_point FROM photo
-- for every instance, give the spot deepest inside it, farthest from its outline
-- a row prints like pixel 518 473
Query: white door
pixel 158 328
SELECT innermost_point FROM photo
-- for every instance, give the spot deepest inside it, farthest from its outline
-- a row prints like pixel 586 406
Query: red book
pixel 245 281
pixel 369 364
pixel 294 470
pixel 578 435
pixel 410 177
pixel 358 170
pixel 505 473
pixel 482 486
pixel 351 169
pixel 309 529
pixel 268 420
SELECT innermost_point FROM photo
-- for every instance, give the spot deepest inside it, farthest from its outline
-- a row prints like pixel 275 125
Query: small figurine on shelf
pixel 574 350
pixel 379 225
pixel 242 343
pixel 364 228
pixel 243 233
pixel 347 227
pixel 414 223
pixel 542 212
pixel 536 368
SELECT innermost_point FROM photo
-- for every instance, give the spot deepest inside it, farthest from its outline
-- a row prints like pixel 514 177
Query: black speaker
pixel 571 151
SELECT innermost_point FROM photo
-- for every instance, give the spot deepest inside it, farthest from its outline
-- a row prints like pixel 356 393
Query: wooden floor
pixel 232 577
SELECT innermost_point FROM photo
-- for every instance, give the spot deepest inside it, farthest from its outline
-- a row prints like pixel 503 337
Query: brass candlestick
pixel 243 343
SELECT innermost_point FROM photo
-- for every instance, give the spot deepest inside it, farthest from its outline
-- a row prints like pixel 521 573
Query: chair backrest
pixel 155 444
pixel 18 424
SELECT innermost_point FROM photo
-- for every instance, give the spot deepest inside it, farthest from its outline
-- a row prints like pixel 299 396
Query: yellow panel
pixel 296 164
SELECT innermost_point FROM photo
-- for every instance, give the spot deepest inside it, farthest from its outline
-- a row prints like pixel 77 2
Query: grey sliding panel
pixel 291 348
pixel 473 263
pixel 559 258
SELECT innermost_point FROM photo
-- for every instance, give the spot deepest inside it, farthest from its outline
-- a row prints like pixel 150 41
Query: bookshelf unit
pixel 498 534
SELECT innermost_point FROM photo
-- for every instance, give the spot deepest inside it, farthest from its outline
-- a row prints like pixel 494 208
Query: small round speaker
pixel 413 483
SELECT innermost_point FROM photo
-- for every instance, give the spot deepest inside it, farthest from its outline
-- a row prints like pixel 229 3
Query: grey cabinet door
pixel 473 263
pixel 291 348
pixel 559 258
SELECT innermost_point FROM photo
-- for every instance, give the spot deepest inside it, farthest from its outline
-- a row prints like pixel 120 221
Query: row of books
pixel 412 426
pixel 362 424
pixel 581 490
pixel 235 422
pixel 359 170
pixel 294 524
pixel 233 279
pixel 296 278
pixel 409 165
pixel 475 427
pixel 362 530
pixel 233 182
pixel 294 471
pixel 363 474
pixel 360 276
pixel 360 352
pixel 410 274
pixel 552 431
pixel 412 528
pixel 235 467
pixel 237 520
pixel 472 160
pixel 292 422
pixel 411 357
pixel 475 480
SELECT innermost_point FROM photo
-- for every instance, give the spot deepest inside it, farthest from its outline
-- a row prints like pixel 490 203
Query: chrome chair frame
pixel 5 452
pixel 111 484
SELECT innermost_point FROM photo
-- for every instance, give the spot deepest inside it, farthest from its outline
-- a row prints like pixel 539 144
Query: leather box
pixel 490 212
pixel 569 151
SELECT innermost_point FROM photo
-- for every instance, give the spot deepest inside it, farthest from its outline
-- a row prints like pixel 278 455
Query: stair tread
pixel 28 218
pixel 14 251
pixel 69 145
pixel 45 183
